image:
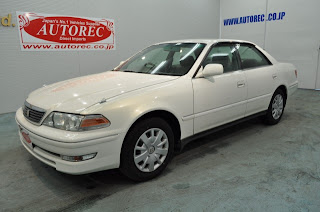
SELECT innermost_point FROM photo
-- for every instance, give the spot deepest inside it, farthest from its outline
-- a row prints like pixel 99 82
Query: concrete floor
pixel 249 167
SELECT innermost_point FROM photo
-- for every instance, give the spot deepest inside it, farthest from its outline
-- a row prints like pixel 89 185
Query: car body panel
pixel 49 151
pixel 132 106
pixel 77 94
pixel 260 85
pixel 218 100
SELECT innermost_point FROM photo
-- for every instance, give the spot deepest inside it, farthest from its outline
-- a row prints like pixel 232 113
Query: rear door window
pixel 251 57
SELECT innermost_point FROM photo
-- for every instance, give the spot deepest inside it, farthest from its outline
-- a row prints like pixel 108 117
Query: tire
pixel 276 108
pixel 143 156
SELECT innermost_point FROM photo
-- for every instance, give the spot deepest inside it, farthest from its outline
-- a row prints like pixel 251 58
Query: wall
pixel 294 39
pixel 137 25
pixel 253 32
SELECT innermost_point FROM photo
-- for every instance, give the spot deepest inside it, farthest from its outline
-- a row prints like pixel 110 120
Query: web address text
pixel 254 18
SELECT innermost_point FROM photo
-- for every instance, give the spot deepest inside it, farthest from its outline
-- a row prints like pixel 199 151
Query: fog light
pixel 78 158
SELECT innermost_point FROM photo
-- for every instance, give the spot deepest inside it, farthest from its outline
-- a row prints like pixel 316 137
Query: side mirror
pixel 212 70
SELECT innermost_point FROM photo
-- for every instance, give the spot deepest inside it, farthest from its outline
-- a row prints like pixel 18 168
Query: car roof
pixel 206 41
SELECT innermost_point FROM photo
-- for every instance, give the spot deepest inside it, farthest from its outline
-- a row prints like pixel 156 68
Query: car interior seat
pixel 249 63
pixel 186 63
pixel 224 61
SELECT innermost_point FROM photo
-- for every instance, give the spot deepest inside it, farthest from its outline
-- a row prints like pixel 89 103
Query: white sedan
pixel 136 115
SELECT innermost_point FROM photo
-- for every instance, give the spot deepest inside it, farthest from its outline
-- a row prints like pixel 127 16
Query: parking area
pixel 248 167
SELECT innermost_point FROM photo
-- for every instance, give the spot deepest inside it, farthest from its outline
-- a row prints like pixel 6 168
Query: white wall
pixel 253 32
pixel 137 24
pixel 294 39
pixel 297 38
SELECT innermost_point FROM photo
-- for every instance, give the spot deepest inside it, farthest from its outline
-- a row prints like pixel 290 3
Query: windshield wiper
pixel 167 74
pixel 140 72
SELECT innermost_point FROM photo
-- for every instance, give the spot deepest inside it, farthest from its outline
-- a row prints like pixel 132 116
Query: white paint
pixel 295 39
pixel 140 94
pixel 225 103
pixel 138 24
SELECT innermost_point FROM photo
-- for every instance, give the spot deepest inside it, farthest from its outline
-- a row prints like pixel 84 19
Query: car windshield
pixel 174 59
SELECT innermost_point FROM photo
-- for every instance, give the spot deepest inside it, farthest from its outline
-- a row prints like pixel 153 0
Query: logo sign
pixel 43 32
pixel 254 19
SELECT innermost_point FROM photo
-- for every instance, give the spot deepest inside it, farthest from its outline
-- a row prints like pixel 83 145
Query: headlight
pixel 72 122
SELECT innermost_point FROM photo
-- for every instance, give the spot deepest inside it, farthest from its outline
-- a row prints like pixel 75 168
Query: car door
pixel 260 75
pixel 222 98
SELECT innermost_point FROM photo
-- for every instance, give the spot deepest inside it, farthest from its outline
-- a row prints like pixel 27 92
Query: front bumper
pixel 49 149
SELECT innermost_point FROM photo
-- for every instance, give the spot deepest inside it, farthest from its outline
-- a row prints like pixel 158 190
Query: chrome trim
pixel 188 117
pixel 34 107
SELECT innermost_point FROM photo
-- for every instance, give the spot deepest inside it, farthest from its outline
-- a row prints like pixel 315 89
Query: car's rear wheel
pixel 147 149
pixel 276 108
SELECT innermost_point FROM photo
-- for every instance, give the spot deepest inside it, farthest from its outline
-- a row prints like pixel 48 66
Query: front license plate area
pixel 26 137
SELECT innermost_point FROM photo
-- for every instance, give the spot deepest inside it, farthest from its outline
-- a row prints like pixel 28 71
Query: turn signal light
pixel 296 73
pixel 94 122
pixel 26 137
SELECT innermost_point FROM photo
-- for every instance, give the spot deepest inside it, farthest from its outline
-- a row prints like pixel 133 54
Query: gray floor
pixel 249 167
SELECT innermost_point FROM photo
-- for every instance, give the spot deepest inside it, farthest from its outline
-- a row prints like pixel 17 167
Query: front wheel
pixel 276 108
pixel 147 149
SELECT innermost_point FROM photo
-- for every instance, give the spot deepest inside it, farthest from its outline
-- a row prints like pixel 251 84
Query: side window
pixel 251 57
pixel 224 54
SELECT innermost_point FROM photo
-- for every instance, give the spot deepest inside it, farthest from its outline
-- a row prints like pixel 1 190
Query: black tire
pixel 268 118
pixel 127 164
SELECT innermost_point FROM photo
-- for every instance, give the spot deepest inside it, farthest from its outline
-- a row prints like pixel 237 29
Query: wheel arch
pixel 169 117
pixel 284 89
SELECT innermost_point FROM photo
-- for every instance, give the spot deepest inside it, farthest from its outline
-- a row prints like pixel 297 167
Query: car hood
pixel 77 94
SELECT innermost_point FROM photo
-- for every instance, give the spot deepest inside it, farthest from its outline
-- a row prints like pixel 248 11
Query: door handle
pixel 241 84
pixel 274 76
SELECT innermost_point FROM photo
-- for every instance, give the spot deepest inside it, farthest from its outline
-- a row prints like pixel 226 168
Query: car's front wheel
pixel 147 149
pixel 276 107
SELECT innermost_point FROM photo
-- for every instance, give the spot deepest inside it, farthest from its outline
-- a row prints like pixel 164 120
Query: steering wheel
pixel 149 65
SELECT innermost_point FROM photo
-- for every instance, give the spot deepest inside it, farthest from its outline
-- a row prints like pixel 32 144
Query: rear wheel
pixel 276 107
pixel 147 149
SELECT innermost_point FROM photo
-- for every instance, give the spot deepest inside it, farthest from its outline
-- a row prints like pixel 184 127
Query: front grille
pixel 33 113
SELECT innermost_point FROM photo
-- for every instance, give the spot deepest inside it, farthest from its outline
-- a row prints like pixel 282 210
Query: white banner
pixel 46 32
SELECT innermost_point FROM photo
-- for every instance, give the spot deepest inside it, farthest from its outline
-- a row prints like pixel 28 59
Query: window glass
pixel 182 53
pixel 224 54
pixel 164 59
pixel 251 57
pixel 141 64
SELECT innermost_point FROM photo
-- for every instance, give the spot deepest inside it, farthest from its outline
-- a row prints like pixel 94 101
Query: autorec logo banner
pixel 44 32
pixel 254 18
